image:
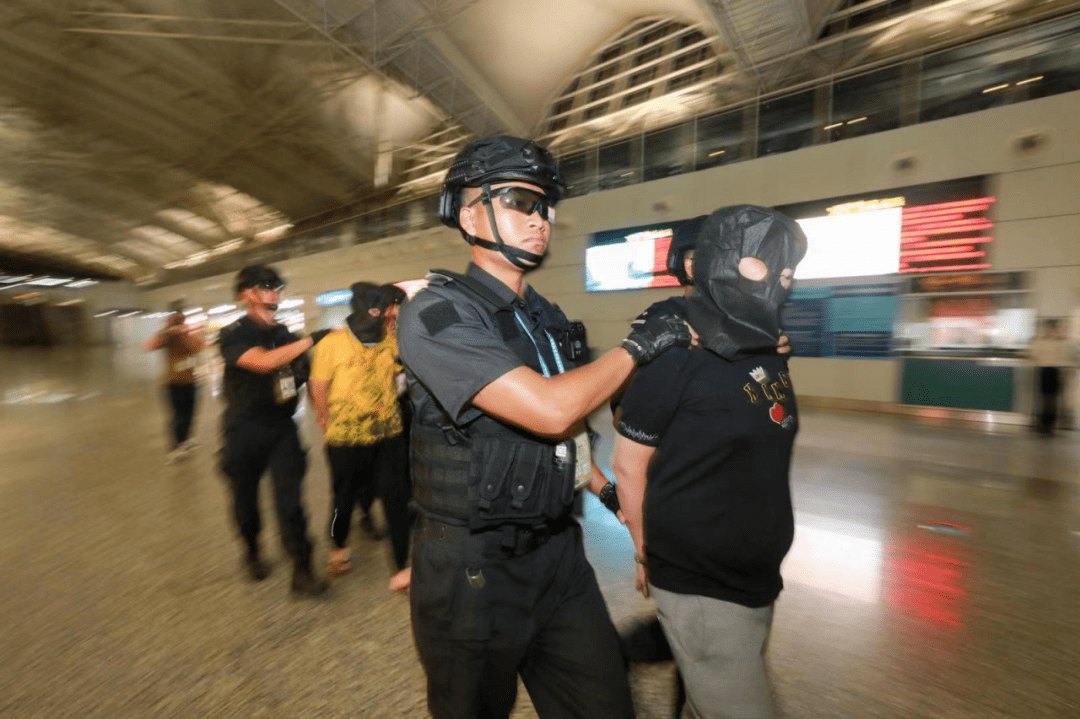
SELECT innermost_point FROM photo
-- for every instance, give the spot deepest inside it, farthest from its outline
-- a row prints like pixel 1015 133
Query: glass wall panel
pixel 578 173
pixel 1056 68
pixel 620 164
pixel 865 104
pixel 669 152
pixel 972 78
pixel 719 139
pixel 786 123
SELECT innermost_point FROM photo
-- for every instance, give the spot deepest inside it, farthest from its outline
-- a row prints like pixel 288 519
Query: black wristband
pixel 609 497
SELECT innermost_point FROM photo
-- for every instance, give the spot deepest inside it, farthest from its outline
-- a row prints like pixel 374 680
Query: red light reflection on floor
pixel 926 578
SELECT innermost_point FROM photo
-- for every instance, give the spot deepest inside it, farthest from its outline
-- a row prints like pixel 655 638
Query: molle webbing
pixel 441 474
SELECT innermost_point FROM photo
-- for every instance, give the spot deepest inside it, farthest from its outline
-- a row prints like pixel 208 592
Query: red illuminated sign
pixel 945 237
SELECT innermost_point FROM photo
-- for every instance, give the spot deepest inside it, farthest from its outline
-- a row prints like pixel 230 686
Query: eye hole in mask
pixel 753 269
pixel 787 278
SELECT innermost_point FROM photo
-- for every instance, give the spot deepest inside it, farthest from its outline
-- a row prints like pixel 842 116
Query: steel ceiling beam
pixel 196 134
pixel 469 99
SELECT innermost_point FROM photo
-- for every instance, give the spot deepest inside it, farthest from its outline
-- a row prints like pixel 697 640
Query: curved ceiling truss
pixel 141 136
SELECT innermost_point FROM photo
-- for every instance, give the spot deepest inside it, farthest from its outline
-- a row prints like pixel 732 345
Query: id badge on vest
pixel 284 385
pixel 583 461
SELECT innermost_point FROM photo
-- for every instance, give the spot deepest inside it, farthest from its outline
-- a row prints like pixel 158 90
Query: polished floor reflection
pixel 935 572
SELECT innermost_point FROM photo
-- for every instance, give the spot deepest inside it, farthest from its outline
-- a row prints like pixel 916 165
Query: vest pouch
pixel 513 481
pixel 561 471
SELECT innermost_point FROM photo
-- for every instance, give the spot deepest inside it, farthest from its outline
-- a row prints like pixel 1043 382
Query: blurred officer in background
pixel 500 583
pixel 354 391
pixel 182 345
pixel 265 366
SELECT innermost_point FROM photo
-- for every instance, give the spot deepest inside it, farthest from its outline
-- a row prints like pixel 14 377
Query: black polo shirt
pixel 249 396
pixel 718 516
pixel 453 346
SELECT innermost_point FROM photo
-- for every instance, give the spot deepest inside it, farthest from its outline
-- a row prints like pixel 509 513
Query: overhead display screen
pixel 939 227
pixel 630 259
pixel 853 244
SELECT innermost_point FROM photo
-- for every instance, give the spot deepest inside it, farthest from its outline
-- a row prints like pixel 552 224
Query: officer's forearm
pixel 552 406
pixel 263 361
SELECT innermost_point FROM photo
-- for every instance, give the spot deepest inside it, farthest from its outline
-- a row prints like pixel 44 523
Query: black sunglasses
pixel 523 200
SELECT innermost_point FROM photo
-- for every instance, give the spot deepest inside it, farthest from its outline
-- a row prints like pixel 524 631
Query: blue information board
pixel 842 321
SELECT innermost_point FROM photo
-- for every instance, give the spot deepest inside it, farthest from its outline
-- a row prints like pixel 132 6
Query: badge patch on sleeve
pixel 440 316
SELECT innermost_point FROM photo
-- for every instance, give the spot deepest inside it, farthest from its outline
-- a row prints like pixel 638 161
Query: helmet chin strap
pixel 522 259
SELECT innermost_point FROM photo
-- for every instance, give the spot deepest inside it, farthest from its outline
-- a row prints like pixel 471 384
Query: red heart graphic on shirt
pixel 776 412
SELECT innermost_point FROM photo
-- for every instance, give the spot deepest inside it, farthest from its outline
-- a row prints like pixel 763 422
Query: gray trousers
pixel 720 649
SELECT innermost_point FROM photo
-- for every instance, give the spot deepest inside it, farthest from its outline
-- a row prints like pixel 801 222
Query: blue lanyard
pixel 554 348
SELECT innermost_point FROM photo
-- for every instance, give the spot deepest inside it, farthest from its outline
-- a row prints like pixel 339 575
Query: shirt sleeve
pixel 235 341
pixel 650 402
pixel 452 349
pixel 322 364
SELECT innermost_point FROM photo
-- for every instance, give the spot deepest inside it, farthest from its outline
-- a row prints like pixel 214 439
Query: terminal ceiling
pixel 142 135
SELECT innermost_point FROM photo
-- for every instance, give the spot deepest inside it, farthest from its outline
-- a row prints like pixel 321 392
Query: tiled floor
pixel 936 572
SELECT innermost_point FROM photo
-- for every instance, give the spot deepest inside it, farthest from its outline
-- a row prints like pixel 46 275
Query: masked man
pixel 702 455
pixel 500 584
pixel 353 389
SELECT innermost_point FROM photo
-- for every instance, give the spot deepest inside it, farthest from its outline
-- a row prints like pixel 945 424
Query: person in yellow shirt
pixel 354 391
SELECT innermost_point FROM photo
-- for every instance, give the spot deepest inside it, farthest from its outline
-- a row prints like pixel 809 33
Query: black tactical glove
pixel 610 497
pixel 655 330
pixel 317 336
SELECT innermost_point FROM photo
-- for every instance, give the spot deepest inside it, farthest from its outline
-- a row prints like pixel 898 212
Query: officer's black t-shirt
pixel 453 346
pixel 249 396
pixel 718 516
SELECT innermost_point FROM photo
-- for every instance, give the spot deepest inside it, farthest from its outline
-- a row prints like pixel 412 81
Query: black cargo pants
pixel 250 449
pixel 182 402
pixel 482 617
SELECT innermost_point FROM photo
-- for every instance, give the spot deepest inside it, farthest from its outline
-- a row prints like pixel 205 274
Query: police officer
pixel 265 366
pixel 500 584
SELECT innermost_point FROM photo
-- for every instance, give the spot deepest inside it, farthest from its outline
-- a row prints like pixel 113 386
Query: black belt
pixel 511 540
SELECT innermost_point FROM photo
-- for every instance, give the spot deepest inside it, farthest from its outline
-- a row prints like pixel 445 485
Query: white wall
pixel 1037 216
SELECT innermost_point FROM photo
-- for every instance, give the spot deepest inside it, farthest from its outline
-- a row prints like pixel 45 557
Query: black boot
pixel 257 569
pixel 305 583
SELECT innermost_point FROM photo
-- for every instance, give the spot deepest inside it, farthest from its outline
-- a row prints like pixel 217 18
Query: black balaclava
pixel 366 328
pixel 736 317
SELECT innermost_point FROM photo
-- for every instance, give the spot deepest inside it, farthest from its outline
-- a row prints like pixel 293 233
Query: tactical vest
pixel 483 472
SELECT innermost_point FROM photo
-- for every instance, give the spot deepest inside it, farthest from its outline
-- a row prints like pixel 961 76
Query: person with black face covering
pixel 702 455
pixel 265 365
pixel 354 390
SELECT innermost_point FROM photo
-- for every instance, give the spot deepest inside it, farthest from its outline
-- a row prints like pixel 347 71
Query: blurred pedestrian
pixel 1052 354
pixel 182 345
pixel 265 365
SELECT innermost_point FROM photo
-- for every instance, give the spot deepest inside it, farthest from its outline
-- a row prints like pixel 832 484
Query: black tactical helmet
pixel 258 276
pixel 498 159
pixel 684 237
